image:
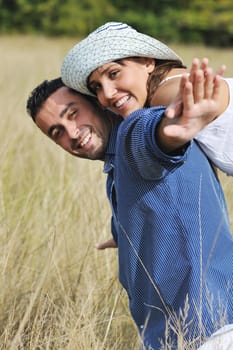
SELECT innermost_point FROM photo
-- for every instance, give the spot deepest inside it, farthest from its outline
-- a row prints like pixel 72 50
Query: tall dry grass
pixel 56 290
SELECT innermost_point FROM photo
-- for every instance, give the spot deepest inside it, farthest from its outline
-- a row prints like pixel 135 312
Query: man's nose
pixel 73 131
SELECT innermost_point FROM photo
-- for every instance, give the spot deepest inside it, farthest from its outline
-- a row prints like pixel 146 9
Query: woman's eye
pixel 113 74
pixel 95 87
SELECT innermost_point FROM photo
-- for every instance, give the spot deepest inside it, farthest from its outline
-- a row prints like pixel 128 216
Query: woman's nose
pixel 109 90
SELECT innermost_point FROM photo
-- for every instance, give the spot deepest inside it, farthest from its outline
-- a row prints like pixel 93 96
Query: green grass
pixel 56 290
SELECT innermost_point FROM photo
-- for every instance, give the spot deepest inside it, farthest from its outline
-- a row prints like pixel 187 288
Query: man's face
pixel 73 123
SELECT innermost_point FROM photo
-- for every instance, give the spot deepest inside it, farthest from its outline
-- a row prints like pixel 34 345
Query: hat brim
pixel 107 46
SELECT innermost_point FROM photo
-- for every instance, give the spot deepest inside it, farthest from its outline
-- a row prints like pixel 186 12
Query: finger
pixel 174 110
pixel 216 87
pixel 221 70
pixel 107 244
pixel 205 67
pixel 188 97
pixel 198 86
pixel 184 79
pixel 208 83
pixel 204 64
pixel 194 68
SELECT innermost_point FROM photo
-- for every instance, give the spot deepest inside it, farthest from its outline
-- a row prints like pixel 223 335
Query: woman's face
pixel 122 85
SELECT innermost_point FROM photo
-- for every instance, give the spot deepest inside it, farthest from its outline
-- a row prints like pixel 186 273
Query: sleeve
pixel 216 140
pixel 144 153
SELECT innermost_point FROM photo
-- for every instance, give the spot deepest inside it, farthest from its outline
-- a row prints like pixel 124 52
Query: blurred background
pixel 57 291
pixel 209 22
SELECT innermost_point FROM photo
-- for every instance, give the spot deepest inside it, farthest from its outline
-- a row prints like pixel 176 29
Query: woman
pixel 116 41
pixel 174 241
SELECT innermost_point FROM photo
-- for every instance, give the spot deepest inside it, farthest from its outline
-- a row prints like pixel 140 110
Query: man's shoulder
pixel 141 119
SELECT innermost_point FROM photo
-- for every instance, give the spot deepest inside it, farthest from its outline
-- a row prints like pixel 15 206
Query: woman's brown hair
pixel 162 68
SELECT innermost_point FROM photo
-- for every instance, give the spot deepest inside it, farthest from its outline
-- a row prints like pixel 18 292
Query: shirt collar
pixel 110 152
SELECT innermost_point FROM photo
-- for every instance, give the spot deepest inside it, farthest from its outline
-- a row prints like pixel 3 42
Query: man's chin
pixel 96 157
pixel 90 156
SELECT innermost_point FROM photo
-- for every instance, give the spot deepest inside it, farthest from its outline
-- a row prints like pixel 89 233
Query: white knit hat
pixel 108 43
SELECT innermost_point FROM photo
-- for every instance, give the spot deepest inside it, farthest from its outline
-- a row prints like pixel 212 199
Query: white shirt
pixel 216 139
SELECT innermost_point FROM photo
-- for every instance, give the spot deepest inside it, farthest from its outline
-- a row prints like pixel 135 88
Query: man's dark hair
pixel 40 94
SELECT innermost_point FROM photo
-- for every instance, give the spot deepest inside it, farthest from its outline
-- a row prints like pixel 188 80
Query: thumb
pixel 174 110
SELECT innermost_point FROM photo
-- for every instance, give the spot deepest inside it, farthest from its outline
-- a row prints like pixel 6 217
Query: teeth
pixel 121 101
pixel 87 138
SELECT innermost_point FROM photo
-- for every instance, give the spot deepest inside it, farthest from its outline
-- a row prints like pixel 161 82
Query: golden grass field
pixel 56 290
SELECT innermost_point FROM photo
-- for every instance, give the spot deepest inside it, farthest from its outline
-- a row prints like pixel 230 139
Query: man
pixel 75 124
pixel 78 124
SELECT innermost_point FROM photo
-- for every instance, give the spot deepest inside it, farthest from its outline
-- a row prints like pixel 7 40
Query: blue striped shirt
pixel 174 241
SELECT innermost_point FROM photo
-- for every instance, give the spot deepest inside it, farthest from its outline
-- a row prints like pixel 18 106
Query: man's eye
pixel 72 115
pixel 56 133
